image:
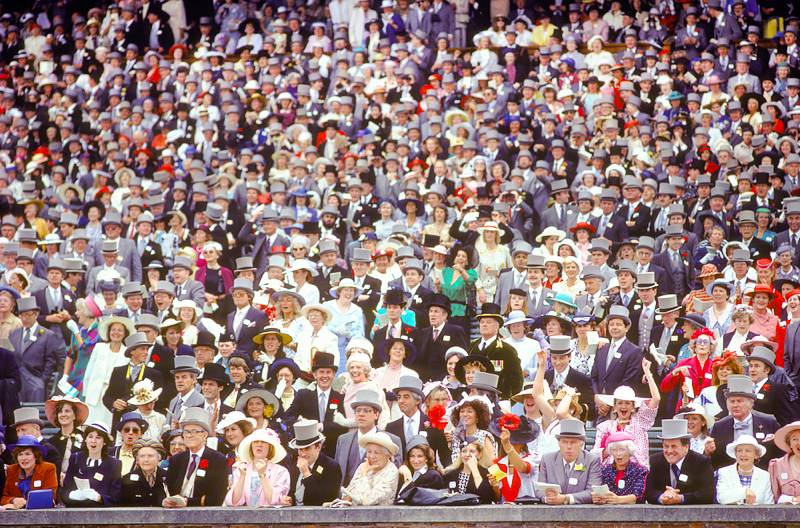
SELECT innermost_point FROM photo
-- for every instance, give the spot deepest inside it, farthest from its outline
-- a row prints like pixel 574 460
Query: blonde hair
pixel 484 460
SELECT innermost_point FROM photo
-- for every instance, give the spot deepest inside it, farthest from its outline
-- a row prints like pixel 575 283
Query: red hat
pixel 792 293
pixel 630 124
pixel 703 332
pixel 278 249
pixel 762 288
pixel 583 225
pixel 385 252
pixel 143 150
pixel 764 264
pixel 102 190
pixel 418 161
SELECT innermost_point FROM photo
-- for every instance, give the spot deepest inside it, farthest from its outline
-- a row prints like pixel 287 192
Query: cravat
pixel 192 466
pixel 322 405
pixel 435 334
pixel 410 429
pixel 742 427
pixel 673 477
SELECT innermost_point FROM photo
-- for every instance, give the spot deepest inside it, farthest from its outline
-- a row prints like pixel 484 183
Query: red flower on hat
pixel 703 332
pixel 203 464
pixel 436 414
pixel 155 358
pixel 509 421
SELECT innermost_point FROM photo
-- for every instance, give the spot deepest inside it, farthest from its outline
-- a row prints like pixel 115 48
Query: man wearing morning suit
pixel 317 476
pixel 772 397
pixel 618 362
pixel 501 354
pixel 571 467
pixel 743 420
pixel 38 351
pixel 55 302
pixel 185 287
pixel 680 272
pixel 320 404
pixel 609 225
pixel 558 214
pixel 196 473
pixel 127 254
pixel 370 286
pixel 245 322
pixel 562 374
pixel 791 352
pixel 678 475
pixel 515 277
pixel 262 242
pixel 437 339
pixel 189 395
pixel 349 455
pixel 394 301
pixel 629 297
pixel 536 293
pixel 414 422
pixel 633 211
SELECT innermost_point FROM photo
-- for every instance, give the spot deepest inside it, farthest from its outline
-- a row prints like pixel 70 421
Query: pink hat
pixel 93 307
pixel 618 436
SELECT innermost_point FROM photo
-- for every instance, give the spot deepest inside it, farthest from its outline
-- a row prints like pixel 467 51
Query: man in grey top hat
pixel 110 261
pixel 127 256
pixel 573 468
pixel 413 421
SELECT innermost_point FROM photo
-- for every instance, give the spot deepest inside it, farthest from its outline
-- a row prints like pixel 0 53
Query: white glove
pixel 342 331
pixel 76 495
pixel 707 258
pixel 92 495
pixel 263 357
pixel 72 326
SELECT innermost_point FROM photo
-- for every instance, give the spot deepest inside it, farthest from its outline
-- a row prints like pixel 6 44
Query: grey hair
pixel 301 239
pixel 624 443
pixel 80 304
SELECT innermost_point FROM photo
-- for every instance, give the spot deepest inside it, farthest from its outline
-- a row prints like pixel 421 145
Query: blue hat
pixel 132 417
pixel 285 362
pixel 675 96
pixel 301 191
pixel 29 441
pixel 14 293
pixel 563 298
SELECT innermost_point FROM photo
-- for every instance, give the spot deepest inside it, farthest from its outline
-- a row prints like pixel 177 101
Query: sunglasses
pixel 131 430
pixel 702 342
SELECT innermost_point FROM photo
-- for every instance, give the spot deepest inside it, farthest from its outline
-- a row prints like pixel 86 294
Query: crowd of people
pixel 399 252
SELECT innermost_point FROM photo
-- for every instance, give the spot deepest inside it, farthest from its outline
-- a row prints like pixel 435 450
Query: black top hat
pixel 394 296
pixel 216 372
pixel 323 360
pixel 206 339
pixel 442 301
pixel 492 310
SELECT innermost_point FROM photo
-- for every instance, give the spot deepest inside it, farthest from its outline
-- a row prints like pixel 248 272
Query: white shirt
pixel 239 317
pixel 485 343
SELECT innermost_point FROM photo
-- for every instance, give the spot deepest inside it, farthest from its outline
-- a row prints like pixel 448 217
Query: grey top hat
pixel 765 355
pixel 627 265
pixel 675 429
pixel 367 397
pixel 668 303
pixel 572 428
pixel 196 416
pixel 131 288
pixel 243 284
pixel 646 280
pixel 165 287
pixel 26 415
pixel 182 262
pixel 306 433
pixel 599 244
pixel 740 385
pixel 411 384
pixel 674 230
pixel 619 312
pixel 148 320
pixel 592 271
pixel 361 255
pixel 109 247
pixel 485 381
pixel 327 246
pixel 185 364
pixel 647 243
pixel 740 255
pixel 135 340
pixel 535 261
pixel 560 345
pixel 26 304
pixel 747 217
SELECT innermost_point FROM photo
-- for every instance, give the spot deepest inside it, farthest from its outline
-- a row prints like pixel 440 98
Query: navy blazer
pixel 625 368
pixel 137 493
pixel 430 362
pixel 306 405
pixel 696 482
pixel 582 383
pixel 254 323
pixel 322 485
pixel 436 438
pixel 207 488
pixel 105 479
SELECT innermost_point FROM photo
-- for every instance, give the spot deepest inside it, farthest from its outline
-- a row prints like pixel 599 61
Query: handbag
pixel 414 496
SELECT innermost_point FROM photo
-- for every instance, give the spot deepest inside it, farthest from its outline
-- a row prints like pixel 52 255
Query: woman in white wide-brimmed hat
pixel 743 482
pixel 631 413
pixel 258 478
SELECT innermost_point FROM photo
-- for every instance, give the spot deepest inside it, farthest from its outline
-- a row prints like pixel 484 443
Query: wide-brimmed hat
pixel 563 298
pixel 272 330
pixel 696 408
pixel 517 316
pixel 730 449
pixel 264 435
pixel 380 438
pixel 303 264
pixel 527 430
pixel 411 350
pixel 762 288
pixel 740 385
pixel 29 441
pixel 278 295
pixel 132 417
pixel 674 429
pixel 719 282
pixel 269 399
pixel 758 340
pixel 572 428
pixel 782 434
pixel 234 417
pixel 319 307
pixel 187 303
pixel 105 325
pixel 144 392
pixel 283 363
pixel 346 283
pixel 81 409
pixel 306 433
pixel 624 393
pixel 693 319
pixel 550 231
pixel 483 360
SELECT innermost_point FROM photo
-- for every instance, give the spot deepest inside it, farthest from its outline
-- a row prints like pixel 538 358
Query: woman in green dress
pixel 457 281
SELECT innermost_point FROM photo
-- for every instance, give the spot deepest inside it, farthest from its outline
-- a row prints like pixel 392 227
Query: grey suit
pixel 541 307
pixel 551 218
pixel 749 78
pixel 128 257
pixel 195 399
pixel 506 282
pixel 192 290
pixel 91 279
pixel 552 471
pixel 38 358
pixel 349 458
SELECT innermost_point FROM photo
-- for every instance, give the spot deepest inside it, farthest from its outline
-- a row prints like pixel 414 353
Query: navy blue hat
pixel 132 417
pixel 285 362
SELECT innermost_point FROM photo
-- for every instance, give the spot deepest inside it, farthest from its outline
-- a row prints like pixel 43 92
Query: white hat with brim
pixel 730 449
pixel 232 418
pixel 346 283
pixel 320 308
pixel 105 326
pixel 380 438
pixel 267 396
pixel 143 393
pixel 303 264
pixel 699 411
pixel 265 435
pixel 188 303
pixel 527 390
pixel 782 434
pixel 624 393
pixel 550 231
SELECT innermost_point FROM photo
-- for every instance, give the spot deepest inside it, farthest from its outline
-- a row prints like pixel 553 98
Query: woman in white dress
pixel 492 257
pixel 743 482
pixel 289 319
pixel 107 355
pixel 303 272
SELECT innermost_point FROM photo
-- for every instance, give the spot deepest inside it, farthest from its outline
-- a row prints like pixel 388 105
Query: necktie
pixel 410 429
pixel 192 466
pixel 646 314
pixel 591 302
pixel 392 332
pixel 794 239
pixel 54 295
pixel 611 351
pixel 27 336
pixel 533 300
pixel 674 474
pixel 675 264
pixel 626 299
pixel 483 346
pixel 435 334
pixel 322 405
pixel 520 280
pixel 562 214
